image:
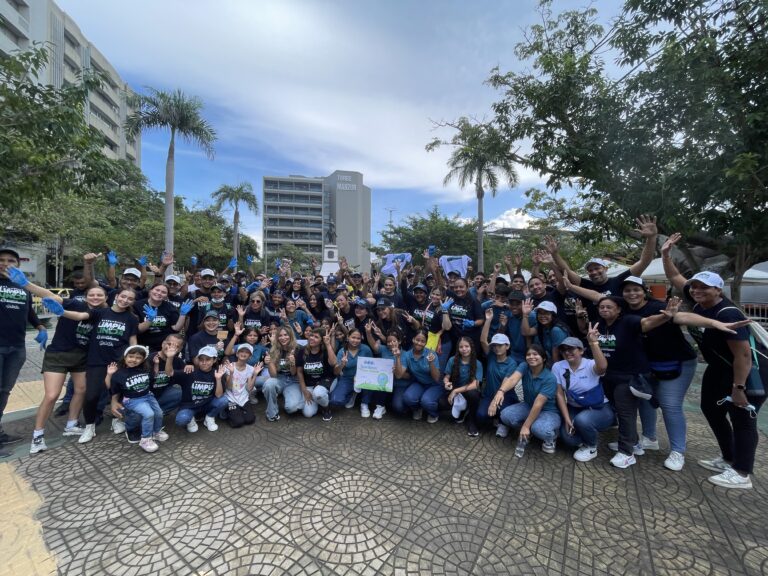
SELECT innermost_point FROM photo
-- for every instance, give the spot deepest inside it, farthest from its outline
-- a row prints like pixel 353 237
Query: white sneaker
pixel 716 464
pixel 161 436
pixel 675 461
pixel 148 445
pixel 210 423
pixel 731 479
pixel 648 444
pixel 192 426
pixel 548 447
pixel 118 426
pixel 585 453
pixel 622 460
pixel 73 431
pixel 638 451
pixel 431 419
pixel 502 430
pixel 365 412
pixel 416 414
pixel 88 433
pixel 378 414
pixel 351 403
pixel 38 445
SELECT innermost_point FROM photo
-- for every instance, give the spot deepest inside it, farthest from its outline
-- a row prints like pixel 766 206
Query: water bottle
pixel 522 442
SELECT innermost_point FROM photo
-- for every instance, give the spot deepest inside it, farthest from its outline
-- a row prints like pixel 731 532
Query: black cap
pixel 420 286
pixel 516 295
pixel 384 302
pixel 9 250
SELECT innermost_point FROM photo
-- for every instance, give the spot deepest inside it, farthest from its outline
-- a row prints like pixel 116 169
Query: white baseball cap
pixel 245 346
pixel 132 272
pixel 547 306
pixel 598 261
pixel 209 351
pixel 708 278
pixel 500 339
pixel 173 278
pixel 207 272
pixel 633 280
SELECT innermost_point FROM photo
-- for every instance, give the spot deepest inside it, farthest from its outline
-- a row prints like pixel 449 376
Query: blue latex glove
pixel 252 286
pixel 276 279
pixel 149 313
pixel 42 338
pixel 112 258
pixel 142 260
pixel 277 263
pixel 193 259
pixel 249 259
pixel 17 276
pixel 447 304
pixel 53 306
pixel 233 263
pixel 186 307
pixel 467 323
pixel 310 322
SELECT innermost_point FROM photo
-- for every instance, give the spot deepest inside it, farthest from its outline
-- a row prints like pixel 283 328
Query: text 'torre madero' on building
pixel 307 212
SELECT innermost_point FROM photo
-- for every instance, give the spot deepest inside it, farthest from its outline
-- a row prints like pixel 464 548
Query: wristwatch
pixel 740 386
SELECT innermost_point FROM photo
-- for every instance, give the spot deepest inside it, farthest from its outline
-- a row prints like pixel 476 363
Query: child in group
pixel 132 380
pixel 240 380
pixel 461 385
pixel 202 391
pixel 251 336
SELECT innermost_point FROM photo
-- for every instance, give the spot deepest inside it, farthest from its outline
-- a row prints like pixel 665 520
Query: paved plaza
pixel 356 496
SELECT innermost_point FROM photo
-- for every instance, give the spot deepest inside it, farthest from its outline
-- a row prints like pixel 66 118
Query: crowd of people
pixel 558 357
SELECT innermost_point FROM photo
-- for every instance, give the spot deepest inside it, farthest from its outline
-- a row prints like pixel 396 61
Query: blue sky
pixel 309 87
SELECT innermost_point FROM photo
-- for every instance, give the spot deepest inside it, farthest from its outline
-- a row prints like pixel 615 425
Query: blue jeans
pixel 210 408
pixel 12 358
pixel 670 394
pixel 587 423
pixel 342 392
pixel 169 398
pixel 414 392
pixel 397 398
pixel 445 354
pixel 545 427
pixel 510 397
pixel 376 398
pixel 148 410
pixel 289 387
pixel 430 400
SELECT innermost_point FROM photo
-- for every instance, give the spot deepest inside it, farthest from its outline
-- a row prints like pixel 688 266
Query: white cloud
pixel 513 218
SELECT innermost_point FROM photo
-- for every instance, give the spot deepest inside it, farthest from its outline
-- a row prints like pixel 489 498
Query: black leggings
pixel 237 416
pixel 473 401
pixel 94 386
pixel 625 404
pixel 734 429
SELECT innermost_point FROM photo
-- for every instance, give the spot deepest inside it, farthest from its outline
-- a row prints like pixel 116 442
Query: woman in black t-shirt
pixel 314 371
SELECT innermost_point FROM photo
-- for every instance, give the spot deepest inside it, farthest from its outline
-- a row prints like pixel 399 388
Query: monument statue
pixel 330 234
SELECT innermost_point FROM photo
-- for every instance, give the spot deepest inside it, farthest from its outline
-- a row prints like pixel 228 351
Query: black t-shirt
pixel 167 316
pixel 622 345
pixel 71 334
pixel 612 287
pixel 200 340
pixel 431 319
pixel 15 306
pixel 257 320
pixel 348 318
pixel 667 342
pixel 131 382
pixel 113 292
pixel 314 365
pixel 225 312
pixel 197 387
pixel 110 336
pixel 465 308
pixel 76 294
pixel 162 380
pixel 176 300
pixel 714 343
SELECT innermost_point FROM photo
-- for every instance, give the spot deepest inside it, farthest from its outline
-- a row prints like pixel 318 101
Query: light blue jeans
pixel 587 423
pixel 289 387
pixel 210 408
pixel 148 409
pixel 670 394
pixel 545 427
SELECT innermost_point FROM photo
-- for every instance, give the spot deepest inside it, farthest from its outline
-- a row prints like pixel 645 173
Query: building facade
pixel 303 211
pixel 24 23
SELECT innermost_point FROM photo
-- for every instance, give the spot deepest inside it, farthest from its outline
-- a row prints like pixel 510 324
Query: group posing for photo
pixel 559 357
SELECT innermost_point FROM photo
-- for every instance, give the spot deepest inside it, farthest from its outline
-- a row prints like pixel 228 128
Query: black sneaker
pixel 6 438
pixel 327 414
pixel 62 410
pixel 133 436
pixel 641 388
pixel 472 430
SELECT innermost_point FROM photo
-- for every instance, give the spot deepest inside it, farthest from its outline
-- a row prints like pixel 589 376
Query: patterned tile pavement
pixel 356 496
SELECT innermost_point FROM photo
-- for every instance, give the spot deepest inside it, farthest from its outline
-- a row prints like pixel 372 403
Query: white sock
pixel 38 433
pixel 71 423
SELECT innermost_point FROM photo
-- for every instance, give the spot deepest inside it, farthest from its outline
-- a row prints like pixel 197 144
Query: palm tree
pixel 181 115
pixel 234 195
pixel 479 153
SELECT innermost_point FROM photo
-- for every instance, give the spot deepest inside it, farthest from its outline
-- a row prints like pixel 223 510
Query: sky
pixel 309 87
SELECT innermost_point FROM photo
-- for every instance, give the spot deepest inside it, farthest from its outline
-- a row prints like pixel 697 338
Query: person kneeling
pixel 202 391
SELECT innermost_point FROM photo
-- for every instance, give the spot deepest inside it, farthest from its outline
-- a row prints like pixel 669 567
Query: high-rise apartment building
pixel 23 23
pixel 303 211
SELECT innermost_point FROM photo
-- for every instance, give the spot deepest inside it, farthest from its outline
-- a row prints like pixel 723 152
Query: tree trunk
pixel 170 203
pixel 741 263
pixel 236 240
pixel 480 267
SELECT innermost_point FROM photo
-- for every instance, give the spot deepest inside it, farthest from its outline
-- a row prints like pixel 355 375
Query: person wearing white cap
pixel 202 391
pixel 131 279
pixel 597 268
pixel 499 365
pixel 548 332
pixel 174 283
pixel 729 362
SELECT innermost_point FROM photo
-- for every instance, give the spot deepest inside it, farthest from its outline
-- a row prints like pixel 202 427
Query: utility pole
pixel 390 210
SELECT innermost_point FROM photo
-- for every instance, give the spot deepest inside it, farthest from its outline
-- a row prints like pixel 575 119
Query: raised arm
pixel 646 226
pixel 670 270
pixel 554 249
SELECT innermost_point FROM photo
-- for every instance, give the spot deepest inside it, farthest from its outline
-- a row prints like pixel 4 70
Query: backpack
pixel 758 344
